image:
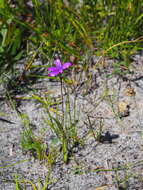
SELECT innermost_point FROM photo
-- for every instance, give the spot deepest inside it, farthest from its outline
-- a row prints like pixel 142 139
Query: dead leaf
pixel 100 187
pixel 123 108
pixel 130 91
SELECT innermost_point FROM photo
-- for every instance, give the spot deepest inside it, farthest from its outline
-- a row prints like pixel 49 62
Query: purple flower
pixel 54 71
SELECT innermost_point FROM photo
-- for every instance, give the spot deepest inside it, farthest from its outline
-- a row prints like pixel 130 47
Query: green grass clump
pixel 69 28
pixel 51 25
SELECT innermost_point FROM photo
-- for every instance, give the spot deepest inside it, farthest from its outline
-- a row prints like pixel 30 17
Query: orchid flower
pixel 54 71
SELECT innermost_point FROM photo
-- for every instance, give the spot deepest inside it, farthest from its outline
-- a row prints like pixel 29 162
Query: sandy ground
pixel 114 105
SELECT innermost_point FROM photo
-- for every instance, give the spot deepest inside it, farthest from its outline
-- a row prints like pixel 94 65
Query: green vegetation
pixel 46 30
pixel 69 28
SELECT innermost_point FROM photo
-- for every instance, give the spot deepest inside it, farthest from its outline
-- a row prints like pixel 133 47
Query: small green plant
pixel 31 142
pixel 96 134
pixel 39 185
pixel 52 155
pixel 17 184
pixel 63 125
pixel 62 122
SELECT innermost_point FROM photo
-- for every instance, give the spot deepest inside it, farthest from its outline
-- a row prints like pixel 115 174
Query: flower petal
pixel 54 73
pixel 52 69
pixel 66 65
pixel 58 63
